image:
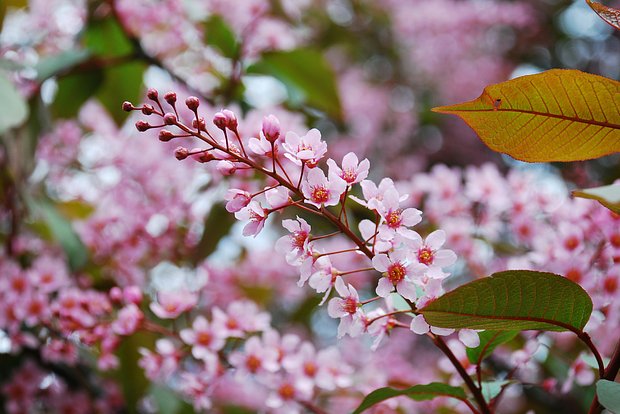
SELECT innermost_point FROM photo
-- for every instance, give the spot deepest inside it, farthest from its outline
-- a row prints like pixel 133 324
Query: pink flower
pixel 348 308
pixel 205 341
pixel 294 244
pixel 170 305
pixel 395 219
pixel 261 147
pixel 128 320
pixel 237 199
pixel 429 255
pixel 255 358
pixel 256 216
pixel 277 197
pixel 309 148
pixel 323 279
pixel 319 191
pixel 396 271
pixel 352 170
pixel 374 194
pixel 240 318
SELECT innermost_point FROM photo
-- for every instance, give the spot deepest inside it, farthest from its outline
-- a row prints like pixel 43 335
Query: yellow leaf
pixel 609 14
pixel 608 195
pixel 558 115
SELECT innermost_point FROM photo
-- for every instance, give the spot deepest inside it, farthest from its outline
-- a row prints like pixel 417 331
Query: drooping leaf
pixel 307 76
pixel 218 34
pixel 489 340
pixel 417 393
pixel 610 15
pixel 52 65
pixel 558 115
pixel 607 195
pixel 513 300
pixel 14 109
pixel 74 90
pixel 121 82
pixel 62 231
pixel 608 393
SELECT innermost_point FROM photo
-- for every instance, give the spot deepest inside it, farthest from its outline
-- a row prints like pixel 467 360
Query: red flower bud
pixel 170 119
pixel 181 153
pixel 192 103
pixel 165 135
pixel 142 126
pixel 171 98
pixel 152 94
pixel 128 106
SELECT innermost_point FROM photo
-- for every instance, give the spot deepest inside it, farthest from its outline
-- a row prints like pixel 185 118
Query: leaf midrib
pixel 545 114
pixel 511 318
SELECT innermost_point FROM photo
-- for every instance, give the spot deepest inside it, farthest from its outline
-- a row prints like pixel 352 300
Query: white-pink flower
pixel 347 308
pixel 256 215
pixel 237 199
pixel 421 327
pixel 429 255
pixel 255 358
pixel 170 305
pixel 352 170
pixel 308 148
pixel 293 245
pixel 396 220
pixel 319 191
pixel 205 341
pixel 395 269
pixel 277 197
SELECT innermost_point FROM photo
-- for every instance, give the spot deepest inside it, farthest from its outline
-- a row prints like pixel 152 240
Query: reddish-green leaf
pixel 513 300
pixel 608 195
pixel 558 115
pixel 417 392
pixel 609 14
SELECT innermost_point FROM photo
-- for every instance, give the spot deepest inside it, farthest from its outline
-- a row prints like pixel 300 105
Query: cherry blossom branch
pixel 609 374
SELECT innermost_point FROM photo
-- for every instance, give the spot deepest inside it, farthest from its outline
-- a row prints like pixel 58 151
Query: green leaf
pixel 14 109
pixel 608 393
pixel 121 83
pixel 417 393
pixel 54 65
pixel 217 225
pixel 106 38
pixel 307 76
pixel 513 300
pixel 558 115
pixel 219 35
pixel 608 195
pixel 75 209
pixel 62 231
pixel 491 389
pixel 130 377
pixel 489 340
pixel 74 90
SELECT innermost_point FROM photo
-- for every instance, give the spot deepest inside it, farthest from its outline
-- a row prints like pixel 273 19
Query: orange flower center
pixel 426 256
pixel 396 272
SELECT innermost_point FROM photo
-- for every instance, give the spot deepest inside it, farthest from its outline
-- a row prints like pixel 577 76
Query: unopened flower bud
pixel 171 98
pixel 199 124
pixel 128 106
pixel 226 167
pixel 165 135
pixel 271 128
pixel 219 120
pixel 192 103
pixel 115 294
pixel 181 153
pixel 152 94
pixel 202 156
pixel 231 119
pixel 147 109
pixel 170 119
pixel 142 126
pixel 132 294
